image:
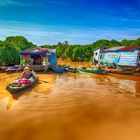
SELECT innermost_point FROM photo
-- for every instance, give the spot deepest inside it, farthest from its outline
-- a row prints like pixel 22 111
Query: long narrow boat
pixel 73 70
pixel 3 68
pixel 12 69
pixel 58 70
pixel 12 88
pixel 126 72
pixel 100 71
pixel 70 69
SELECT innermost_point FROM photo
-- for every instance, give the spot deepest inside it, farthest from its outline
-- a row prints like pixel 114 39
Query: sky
pixel 77 21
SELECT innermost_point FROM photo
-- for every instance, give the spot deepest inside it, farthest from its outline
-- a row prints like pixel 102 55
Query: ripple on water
pixel 72 106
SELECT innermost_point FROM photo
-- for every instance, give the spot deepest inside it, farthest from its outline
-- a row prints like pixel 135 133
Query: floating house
pixel 121 56
pixel 38 58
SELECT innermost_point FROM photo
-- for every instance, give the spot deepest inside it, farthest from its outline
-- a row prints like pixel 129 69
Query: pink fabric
pixel 24 81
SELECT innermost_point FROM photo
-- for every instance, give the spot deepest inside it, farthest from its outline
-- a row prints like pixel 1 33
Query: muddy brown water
pixel 72 107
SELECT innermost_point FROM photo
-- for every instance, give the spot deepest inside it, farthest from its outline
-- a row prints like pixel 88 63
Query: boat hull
pixel 58 70
pixel 73 70
pixel 100 71
pixel 125 72
pixel 15 90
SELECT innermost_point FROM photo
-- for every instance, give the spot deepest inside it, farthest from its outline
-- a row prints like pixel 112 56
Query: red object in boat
pixel 24 81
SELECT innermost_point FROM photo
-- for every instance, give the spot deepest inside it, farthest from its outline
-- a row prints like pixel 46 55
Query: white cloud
pixel 74 35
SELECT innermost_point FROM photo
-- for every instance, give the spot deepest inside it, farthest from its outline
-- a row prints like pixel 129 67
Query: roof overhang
pixel 42 54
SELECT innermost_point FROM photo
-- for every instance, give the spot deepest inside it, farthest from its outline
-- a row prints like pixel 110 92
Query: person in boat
pixel 96 67
pixel 66 67
pixel 105 66
pixel 28 76
pixel 28 73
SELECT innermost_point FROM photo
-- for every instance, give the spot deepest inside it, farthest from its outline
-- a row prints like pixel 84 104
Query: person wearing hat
pixel 28 73
pixel 27 77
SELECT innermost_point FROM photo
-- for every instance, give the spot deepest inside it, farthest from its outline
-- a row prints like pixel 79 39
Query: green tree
pixel 138 41
pixel 114 42
pixel 100 43
pixel 60 49
pixel 126 42
pixel 19 42
pixel 88 51
pixel 9 55
pixel 69 52
pixel 135 42
pixel 1 43
pixel 78 53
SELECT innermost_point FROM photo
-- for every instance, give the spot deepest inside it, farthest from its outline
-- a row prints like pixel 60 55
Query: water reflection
pixel 72 106
pixel 130 84
pixel 88 82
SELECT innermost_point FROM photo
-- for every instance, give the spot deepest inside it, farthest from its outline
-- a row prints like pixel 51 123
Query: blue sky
pixel 77 21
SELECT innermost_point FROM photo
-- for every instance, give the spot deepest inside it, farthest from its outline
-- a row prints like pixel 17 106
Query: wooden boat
pixel 58 70
pixel 3 68
pixel 12 69
pixel 121 71
pixel 100 71
pixel 13 88
pixel 73 70
pixel 127 67
pixel 68 69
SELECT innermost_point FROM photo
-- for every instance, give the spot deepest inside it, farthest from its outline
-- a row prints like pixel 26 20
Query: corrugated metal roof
pixel 32 49
pixel 103 47
pixel 130 48
pixel 36 49
pixel 122 48
pixel 115 48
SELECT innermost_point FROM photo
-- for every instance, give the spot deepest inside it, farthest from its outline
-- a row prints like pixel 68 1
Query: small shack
pixel 120 56
pixel 38 58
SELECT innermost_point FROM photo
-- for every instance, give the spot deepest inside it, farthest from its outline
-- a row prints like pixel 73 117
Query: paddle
pixel 43 81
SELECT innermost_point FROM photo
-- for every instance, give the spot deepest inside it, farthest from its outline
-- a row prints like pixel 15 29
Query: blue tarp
pixel 53 58
pixel 43 54
pixel 13 67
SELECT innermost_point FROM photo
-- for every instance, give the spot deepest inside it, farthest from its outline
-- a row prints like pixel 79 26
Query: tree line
pixel 85 52
pixel 11 46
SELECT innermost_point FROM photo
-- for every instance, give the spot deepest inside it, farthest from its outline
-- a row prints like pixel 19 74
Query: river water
pixel 72 107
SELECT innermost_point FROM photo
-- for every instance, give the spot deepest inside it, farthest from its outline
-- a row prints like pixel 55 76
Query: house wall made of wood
pixel 122 58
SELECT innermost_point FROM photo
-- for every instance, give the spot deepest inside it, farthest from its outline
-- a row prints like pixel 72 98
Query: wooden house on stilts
pixel 38 58
pixel 120 56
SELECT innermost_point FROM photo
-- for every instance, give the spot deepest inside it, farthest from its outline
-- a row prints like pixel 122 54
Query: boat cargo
pixel 14 89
